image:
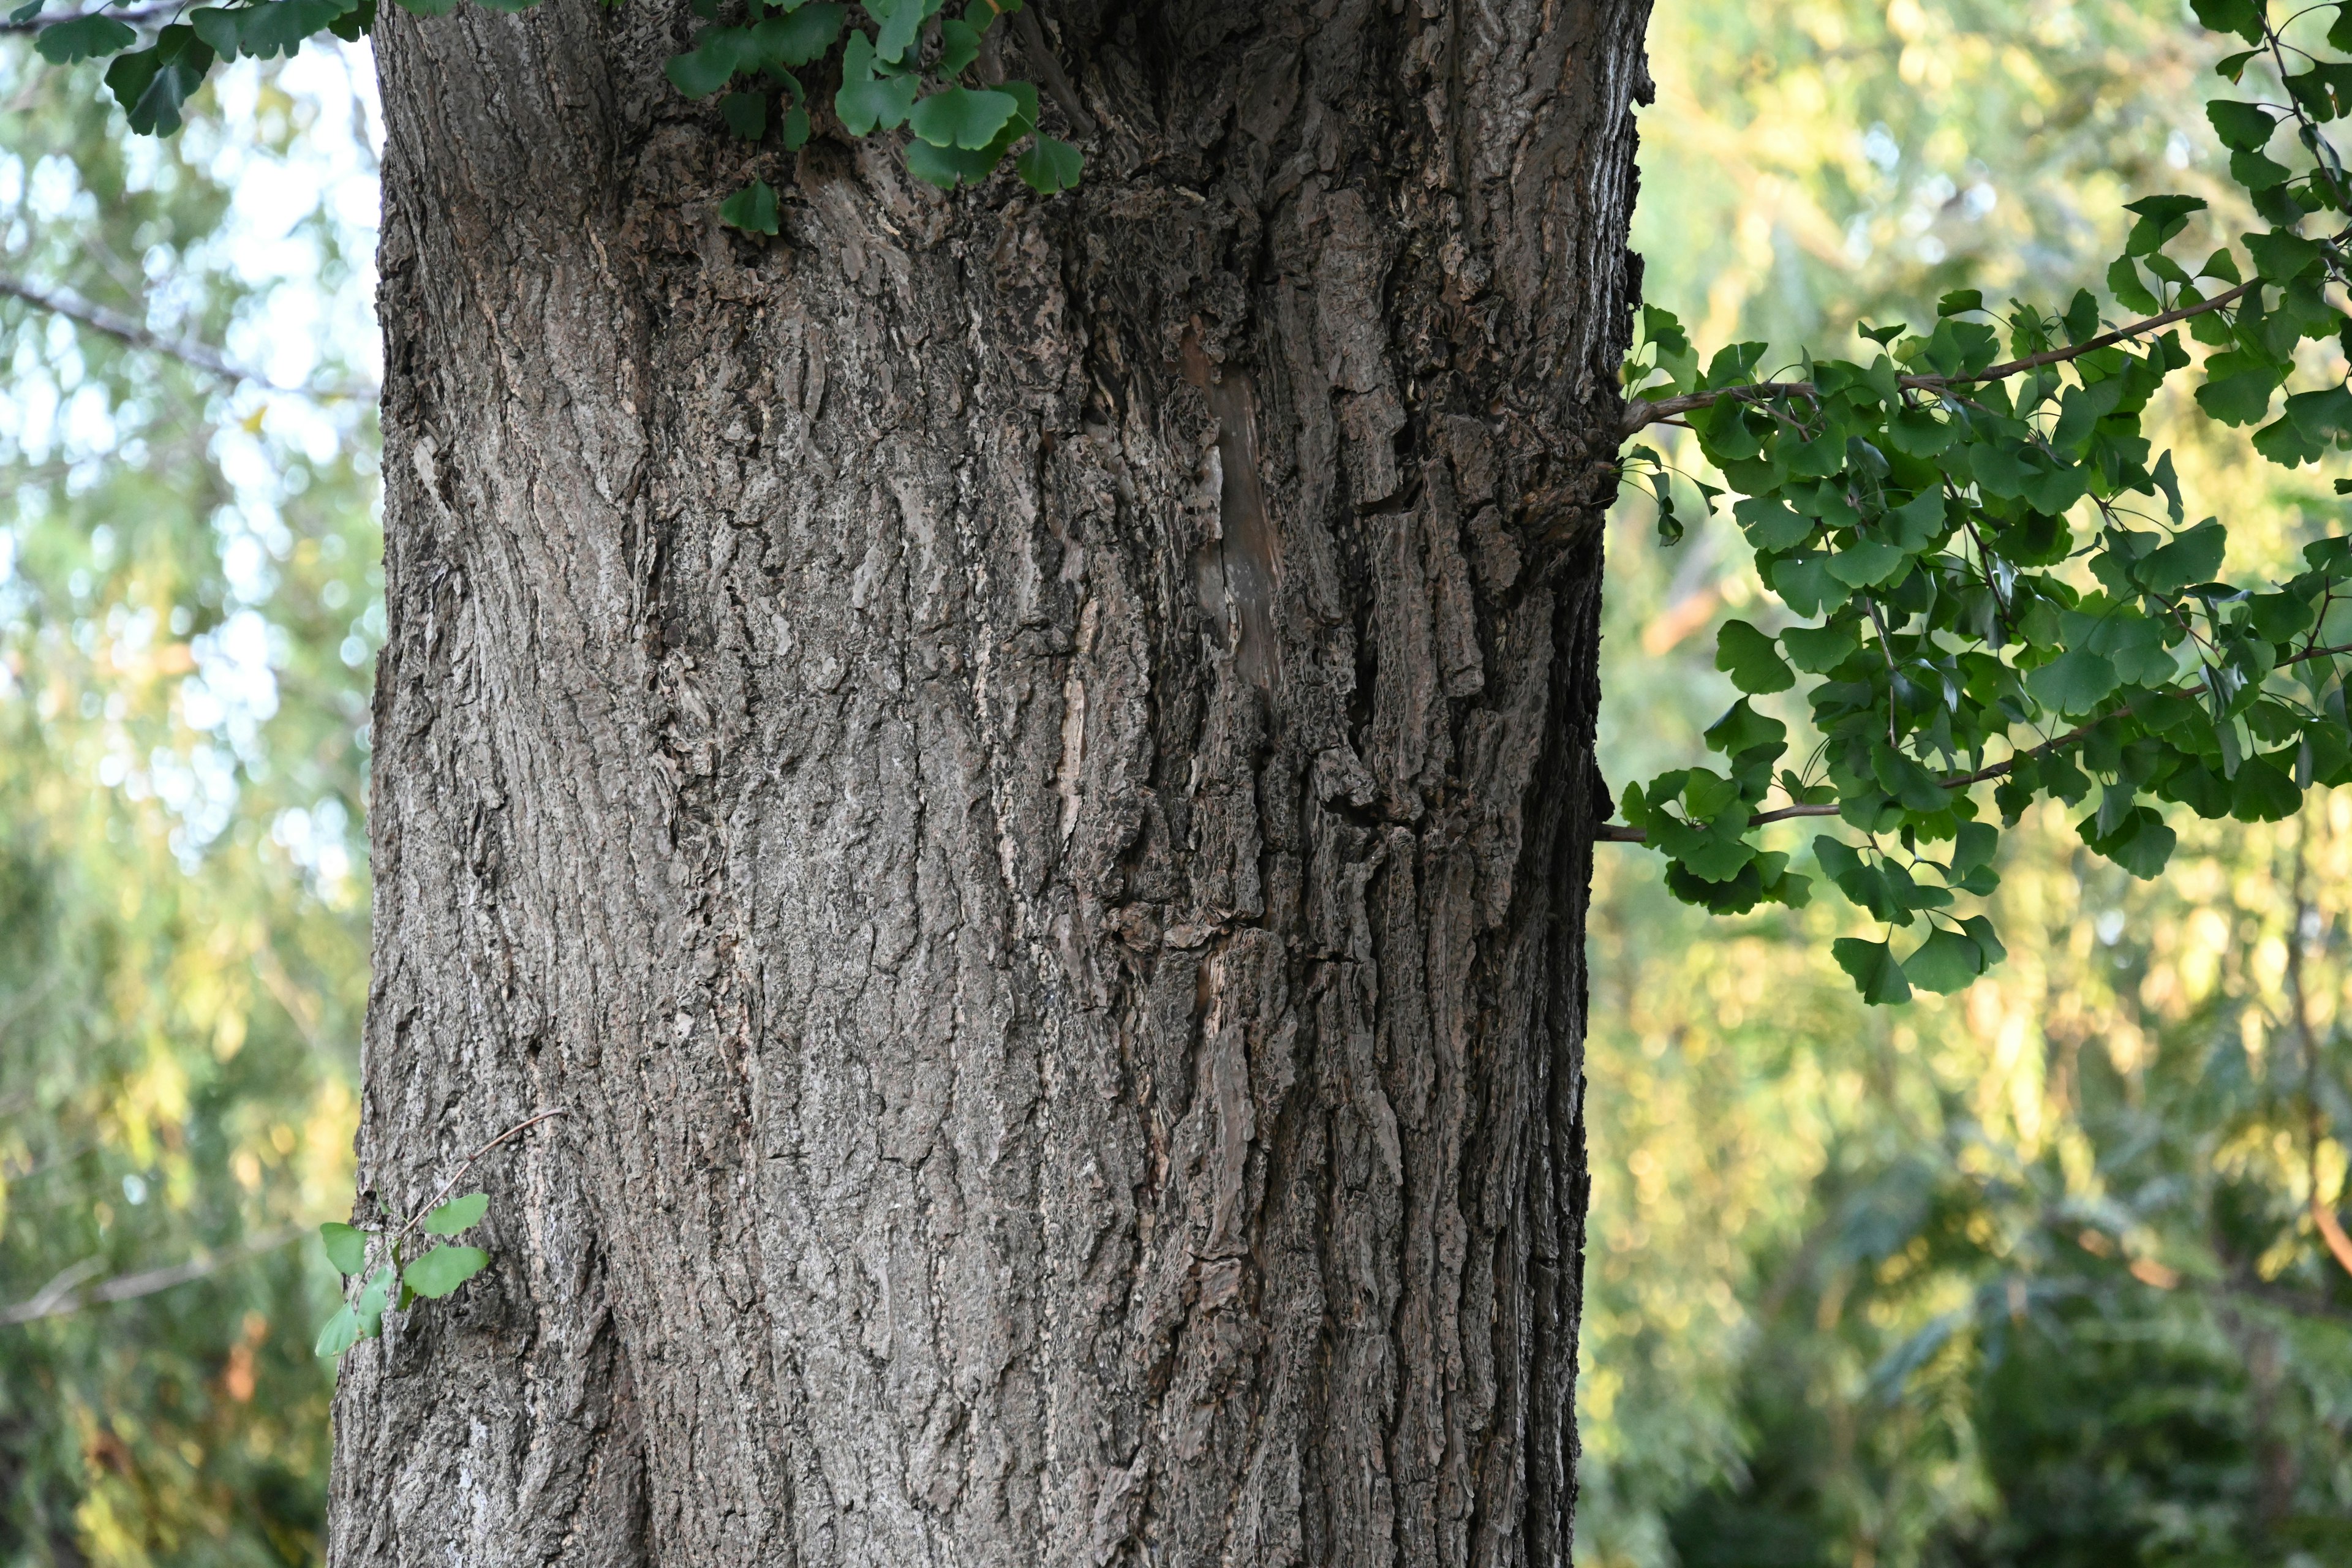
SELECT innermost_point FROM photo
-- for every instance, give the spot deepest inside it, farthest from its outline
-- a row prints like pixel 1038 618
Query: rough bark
pixel 1022 769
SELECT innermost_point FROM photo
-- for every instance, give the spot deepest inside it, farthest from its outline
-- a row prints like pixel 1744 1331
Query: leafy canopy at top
pixel 910 69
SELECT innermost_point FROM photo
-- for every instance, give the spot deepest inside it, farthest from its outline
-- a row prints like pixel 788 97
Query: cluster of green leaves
pixel 429 1276
pixel 1993 575
pixel 961 133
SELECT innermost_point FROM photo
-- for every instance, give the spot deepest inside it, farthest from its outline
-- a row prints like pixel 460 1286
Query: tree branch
pixel 66 1293
pixel 185 350
pixel 1615 833
pixel 1642 412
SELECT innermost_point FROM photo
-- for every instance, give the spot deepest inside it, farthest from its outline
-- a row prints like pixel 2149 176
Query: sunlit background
pixel 2025 1276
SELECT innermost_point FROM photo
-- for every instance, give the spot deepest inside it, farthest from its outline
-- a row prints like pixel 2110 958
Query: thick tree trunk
pixel 1021 771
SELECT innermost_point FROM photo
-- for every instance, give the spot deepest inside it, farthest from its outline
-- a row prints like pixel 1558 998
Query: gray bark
pixel 1022 769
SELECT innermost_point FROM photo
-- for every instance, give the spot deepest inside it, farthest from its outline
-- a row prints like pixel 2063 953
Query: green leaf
pixel 899 20
pixel 429 7
pixel 457 1214
pixel 1770 523
pixel 340 1332
pixel 371 1302
pixel 752 209
pixel 2191 557
pixel 218 28
pixel 2243 127
pixel 1946 962
pixel 2243 18
pixel 83 39
pixel 1873 967
pixel 1750 659
pixel 2124 283
pixel 2141 845
pixel 1806 586
pixel 2241 396
pixel 948 167
pixel 1742 729
pixel 958 46
pixel 153 83
pixel 746 114
pixel 1817 651
pixel 2160 218
pixel 876 104
pixel 2075 682
pixel 1865 562
pixel 798 39
pixel 1049 166
pixel 354 23
pixel 2263 792
pixel 718 54
pixel 962 117
pixel 2281 257
pixel 346 1247
pixel 278 27
pixel 1960 301
pixel 442 1269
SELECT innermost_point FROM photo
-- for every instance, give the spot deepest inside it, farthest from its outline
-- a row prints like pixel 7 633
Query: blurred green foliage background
pixel 189 604
pixel 2026 1276
pixel 2029 1275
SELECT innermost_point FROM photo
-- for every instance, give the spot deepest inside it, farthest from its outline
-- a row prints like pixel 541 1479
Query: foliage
pixel 959 133
pixel 1916 505
pixel 188 608
pixel 428 1276
pixel 1811 1218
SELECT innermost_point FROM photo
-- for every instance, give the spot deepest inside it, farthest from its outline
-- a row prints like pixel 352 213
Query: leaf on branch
pixel 82 39
pixel 2073 683
pixel 442 1269
pixel 1050 165
pixel 457 1214
pixel 153 83
pixel 962 117
pixel 752 209
pixel 1872 968
pixel 346 1247
pixel 1751 660
pixel 340 1332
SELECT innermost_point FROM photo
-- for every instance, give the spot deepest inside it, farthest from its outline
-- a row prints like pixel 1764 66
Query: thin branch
pixel 67 1293
pixel 1642 412
pixel 118 13
pixel 458 1174
pixel 185 350
pixel 1612 833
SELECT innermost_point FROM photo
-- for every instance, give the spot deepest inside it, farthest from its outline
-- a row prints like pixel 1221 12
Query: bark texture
pixel 1021 770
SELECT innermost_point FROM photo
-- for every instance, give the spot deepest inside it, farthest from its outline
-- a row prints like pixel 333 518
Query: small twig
pixel 1643 411
pixel 185 350
pixel 458 1174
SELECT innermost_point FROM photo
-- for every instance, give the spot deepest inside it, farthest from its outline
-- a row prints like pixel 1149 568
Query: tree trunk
pixel 1021 770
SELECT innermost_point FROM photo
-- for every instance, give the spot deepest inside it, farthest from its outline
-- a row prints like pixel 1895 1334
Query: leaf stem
pixel 458 1174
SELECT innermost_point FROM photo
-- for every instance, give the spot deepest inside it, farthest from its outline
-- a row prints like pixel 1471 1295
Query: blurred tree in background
pixel 188 610
pixel 2029 1275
